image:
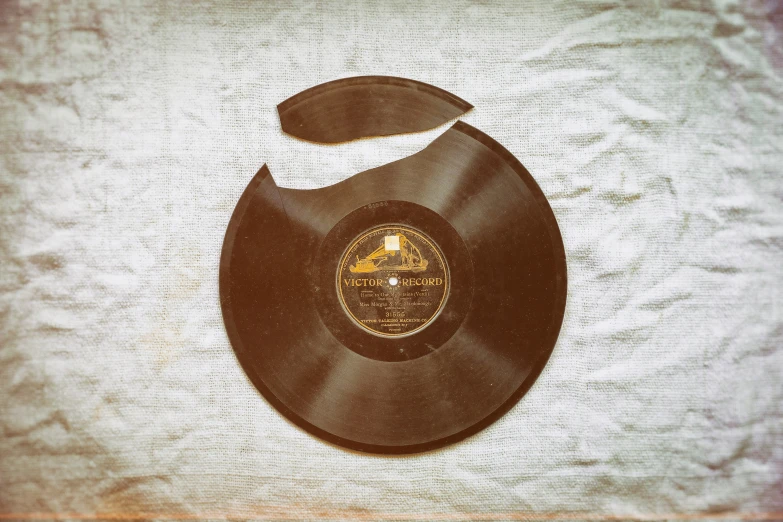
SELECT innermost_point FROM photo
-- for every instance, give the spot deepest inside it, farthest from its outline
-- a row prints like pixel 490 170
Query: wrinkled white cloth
pixel 128 130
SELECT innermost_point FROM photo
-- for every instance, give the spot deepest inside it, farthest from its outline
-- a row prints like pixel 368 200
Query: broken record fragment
pixel 366 106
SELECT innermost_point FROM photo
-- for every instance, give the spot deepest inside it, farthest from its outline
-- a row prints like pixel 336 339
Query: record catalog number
pixel 392 281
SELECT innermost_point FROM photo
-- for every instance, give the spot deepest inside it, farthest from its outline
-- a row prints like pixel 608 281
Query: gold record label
pixel 392 281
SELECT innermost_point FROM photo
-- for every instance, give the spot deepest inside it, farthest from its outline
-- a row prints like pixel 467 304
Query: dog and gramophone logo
pixel 393 280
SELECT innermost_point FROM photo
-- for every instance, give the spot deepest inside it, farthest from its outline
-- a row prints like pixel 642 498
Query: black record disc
pixel 403 309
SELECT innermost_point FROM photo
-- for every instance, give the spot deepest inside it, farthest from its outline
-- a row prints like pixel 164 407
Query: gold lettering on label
pixel 363 282
pixel 407 296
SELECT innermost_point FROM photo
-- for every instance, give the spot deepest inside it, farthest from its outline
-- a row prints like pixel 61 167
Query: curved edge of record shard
pixel 367 106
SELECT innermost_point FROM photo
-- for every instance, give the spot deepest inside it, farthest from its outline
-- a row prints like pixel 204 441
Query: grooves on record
pixel 403 309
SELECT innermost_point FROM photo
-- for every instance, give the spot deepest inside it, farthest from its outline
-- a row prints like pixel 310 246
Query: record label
pixel 392 281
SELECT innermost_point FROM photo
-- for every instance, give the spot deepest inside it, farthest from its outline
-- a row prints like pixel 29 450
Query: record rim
pixel 396 81
pixel 378 449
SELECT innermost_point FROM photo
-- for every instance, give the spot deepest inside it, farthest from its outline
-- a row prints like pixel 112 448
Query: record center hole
pixel 393 281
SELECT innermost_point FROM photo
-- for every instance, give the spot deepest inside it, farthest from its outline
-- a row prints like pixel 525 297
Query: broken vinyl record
pixel 404 308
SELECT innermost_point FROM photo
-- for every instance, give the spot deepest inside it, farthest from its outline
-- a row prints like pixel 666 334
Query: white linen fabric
pixel 128 130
